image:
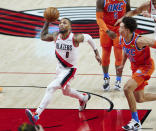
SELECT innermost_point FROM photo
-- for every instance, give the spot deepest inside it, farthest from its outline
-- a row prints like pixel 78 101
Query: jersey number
pixel 67 54
pixel 115 15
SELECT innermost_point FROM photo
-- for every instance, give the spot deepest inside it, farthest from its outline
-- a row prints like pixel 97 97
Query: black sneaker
pixel 106 86
pixel 132 125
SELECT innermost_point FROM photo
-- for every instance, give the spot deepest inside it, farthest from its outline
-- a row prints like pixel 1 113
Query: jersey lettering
pixel 64 47
pixel 128 51
pixel 115 7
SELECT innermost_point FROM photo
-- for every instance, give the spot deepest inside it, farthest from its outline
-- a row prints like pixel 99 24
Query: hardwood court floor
pixel 27 62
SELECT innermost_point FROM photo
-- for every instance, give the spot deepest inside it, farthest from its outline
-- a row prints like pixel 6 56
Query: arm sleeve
pixel 100 21
pixel 89 39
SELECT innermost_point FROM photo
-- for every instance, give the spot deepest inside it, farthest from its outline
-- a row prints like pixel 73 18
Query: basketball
pixel 1 89
pixel 51 14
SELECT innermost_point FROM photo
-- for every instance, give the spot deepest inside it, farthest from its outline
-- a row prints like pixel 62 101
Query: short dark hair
pixel 70 22
pixel 130 23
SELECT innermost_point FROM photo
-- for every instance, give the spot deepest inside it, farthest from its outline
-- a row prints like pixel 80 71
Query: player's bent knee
pixel 51 88
pixel 129 87
pixel 66 91
pixel 118 62
pixel 139 100
pixel 126 89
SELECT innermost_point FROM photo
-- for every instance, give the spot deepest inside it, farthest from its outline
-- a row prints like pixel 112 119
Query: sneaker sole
pixel 29 115
pixel 124 128
pixel 89 96
pixel 131 129
pixel 107 89
pixel 117 89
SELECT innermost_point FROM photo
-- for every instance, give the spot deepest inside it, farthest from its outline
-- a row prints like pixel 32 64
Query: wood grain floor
pixel 27 62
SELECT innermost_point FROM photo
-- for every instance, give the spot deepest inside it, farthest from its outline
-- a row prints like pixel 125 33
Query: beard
pixel 63 31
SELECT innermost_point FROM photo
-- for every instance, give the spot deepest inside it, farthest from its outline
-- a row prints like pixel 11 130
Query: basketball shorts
pixel 142 74
pixel 106 41
pixel 63 75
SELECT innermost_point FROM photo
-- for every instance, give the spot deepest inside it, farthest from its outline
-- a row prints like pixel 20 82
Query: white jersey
pixel 65 51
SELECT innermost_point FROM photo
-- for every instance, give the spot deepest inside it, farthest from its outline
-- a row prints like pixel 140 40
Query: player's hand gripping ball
pixel 51 14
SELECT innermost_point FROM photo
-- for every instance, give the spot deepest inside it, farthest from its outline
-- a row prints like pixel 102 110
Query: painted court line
pixel 43 73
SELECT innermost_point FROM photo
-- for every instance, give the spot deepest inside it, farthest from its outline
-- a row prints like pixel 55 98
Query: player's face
pixel 122 29
pixel 64 26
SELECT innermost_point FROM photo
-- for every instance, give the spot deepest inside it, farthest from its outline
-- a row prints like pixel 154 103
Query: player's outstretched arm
pixel 100 15
pixel 100 19
pixel 144 7
pixel 144 41
pixel 45 36
pixel 78 38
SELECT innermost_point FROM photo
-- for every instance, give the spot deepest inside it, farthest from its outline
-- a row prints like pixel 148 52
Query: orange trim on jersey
pixel 100 21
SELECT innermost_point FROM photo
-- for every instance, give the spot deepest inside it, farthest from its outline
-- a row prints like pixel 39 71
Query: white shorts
pixel 63 76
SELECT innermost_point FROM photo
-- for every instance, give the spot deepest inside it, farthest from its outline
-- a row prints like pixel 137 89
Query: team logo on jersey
pixel 29 23
pixel 132 45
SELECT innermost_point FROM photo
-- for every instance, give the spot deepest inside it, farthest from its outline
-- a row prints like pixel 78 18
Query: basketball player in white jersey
pixel 66 52
pixel 148 9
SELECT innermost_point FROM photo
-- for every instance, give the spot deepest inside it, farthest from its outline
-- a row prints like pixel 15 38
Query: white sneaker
pixel 132 125
pixel 117 86
pixel 106 86
pixel 84 102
